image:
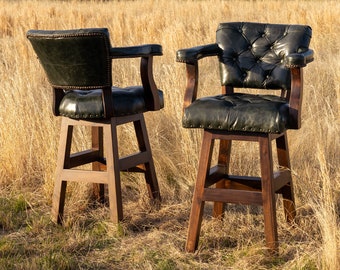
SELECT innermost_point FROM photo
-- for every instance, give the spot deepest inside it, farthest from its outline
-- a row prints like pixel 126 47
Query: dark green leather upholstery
pixel 251 55
pixel 78 64
pixel 238 112
pixel 80 104
pixel 70 61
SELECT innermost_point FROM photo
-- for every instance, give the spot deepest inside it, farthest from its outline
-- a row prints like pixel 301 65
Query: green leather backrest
pixel 253 53
pixel 74 59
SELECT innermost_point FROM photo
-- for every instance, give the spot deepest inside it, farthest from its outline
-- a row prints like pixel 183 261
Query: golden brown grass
pixel 150 239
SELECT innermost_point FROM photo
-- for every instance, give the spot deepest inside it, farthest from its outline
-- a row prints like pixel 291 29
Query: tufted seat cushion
pixel 80 104
pixel 238 112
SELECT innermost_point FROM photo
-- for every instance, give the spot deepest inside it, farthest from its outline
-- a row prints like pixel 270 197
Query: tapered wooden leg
pixel 287 191
pixel 97 143
pixel 223 160
pixel 58 201
pixel 268 195
pixel 112 164
pixel 63 161
pixel 144 146
pixel 197 201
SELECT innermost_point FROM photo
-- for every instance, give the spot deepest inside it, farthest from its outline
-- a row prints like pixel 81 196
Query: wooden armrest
pixel 192 83
pixel 295 98
pixel 151 91
pixel 146 53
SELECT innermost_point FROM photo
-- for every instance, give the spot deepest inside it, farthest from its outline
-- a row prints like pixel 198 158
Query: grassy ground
pixel 151 239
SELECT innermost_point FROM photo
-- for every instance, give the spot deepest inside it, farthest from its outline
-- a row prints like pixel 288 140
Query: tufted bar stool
pixel 78 64
pixel 255 56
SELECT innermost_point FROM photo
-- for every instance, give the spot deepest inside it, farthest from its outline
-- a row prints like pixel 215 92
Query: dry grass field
pixel 149 238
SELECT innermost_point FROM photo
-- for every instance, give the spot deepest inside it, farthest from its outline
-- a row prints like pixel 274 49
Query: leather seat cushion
pixel 81 104
pixel 238 112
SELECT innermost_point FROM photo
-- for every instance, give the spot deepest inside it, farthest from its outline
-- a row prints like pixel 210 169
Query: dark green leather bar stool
pixel 256 56
pixel 78 64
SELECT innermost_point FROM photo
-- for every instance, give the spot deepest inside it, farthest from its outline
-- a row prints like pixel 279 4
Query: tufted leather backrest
pixel 74 59
pixel 253 53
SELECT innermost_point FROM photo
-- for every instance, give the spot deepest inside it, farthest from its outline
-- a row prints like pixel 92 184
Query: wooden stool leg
pixel 287 191
pixel 223 161
pixel 112 164
pixel 268 195
pixel 197 201
pixel 58 201
pixel 144 146
pixel 63 161
pixel 97 143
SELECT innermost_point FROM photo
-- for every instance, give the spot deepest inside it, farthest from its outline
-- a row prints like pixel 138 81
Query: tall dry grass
pixel 149 239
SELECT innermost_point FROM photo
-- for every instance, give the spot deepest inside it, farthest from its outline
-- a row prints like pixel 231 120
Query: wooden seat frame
pixel 243 189
pixel 88 51
pixel 104 152
pixel 106 170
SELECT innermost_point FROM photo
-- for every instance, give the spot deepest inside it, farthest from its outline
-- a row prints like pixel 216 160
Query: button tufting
pixel 259 65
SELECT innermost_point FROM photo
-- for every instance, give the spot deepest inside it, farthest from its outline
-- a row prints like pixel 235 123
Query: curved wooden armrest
pixel 152 101
pixel 296 62
pixel 192 83
pixel 190 57
pixel 295 97
pixel 146 53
